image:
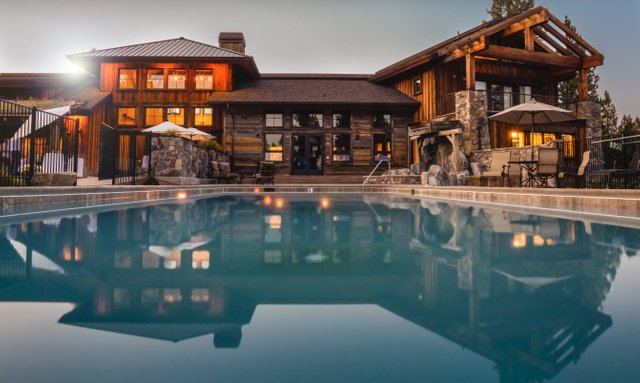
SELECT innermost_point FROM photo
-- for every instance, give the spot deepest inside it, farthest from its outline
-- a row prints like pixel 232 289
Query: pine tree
pixel 568 91
pixel 609 116
pixel 629 126
pixel 508 8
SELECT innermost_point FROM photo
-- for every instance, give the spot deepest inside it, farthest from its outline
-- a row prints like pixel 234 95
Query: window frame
pixel 176 107
pixel 337 113
pixel 320 120
pixel 135 78
pixel 382 152
pixel 135 115
pixel 382 128
pixel 267 119
pixel 146 115
pixel 186 78
pixel 265 148
pixel 417 86
pixel 195 79
pixel 347 152
pixel 195 115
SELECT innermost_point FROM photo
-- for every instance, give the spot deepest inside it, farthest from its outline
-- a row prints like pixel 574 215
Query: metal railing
pixel 387 160
pixel 33 141
pixel 125 155
pixel 614 161
pixel 497 101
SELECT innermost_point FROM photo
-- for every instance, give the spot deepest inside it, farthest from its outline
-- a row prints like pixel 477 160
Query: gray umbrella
pixel 533 112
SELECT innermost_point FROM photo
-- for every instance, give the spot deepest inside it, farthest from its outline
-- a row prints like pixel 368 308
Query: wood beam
pixel 568 43
pixel 528 40
pixel 592 61
pixel 520 55
pixel 583 84
pixel 529 22
pixel 574 35
pixel 545 36
pixel 459 53
pixel 539 42
pixel 564 73
pixel 471 71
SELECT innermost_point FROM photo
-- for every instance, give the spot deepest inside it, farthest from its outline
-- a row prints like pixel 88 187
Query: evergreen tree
pixel 508 8
pixel 629 126
pixel 568 91
pixel 609 116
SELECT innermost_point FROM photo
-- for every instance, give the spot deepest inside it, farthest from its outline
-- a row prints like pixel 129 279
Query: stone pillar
pixel 471 111
pixel 591 111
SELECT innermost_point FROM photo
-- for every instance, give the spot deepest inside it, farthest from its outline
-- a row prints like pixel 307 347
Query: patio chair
pixel 266 173
pixel 225 173
pixel 548 166
pixel 497 168
pixel 580 174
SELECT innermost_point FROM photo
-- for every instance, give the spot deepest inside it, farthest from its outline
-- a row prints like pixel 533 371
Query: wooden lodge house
pixel 317 124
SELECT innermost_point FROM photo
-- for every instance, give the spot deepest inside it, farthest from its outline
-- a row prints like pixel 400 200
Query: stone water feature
pixel 179 160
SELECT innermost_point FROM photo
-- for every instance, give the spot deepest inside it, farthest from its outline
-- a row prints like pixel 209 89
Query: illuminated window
pixel 382 121
pixel 273 120
pixel 273 147
pixel 341 148
pixel 127 79
pixel 126 116
pixel 307 120
pixel 517 139
pixel 176 115
pixel 177 78
pixel 173 261
pixel 204 79
pixel 200 259
pixel 417 86
pixel 153 116
pixel 342 120
pixel 155 78
pixel 199 295
pixel 569 145
pixel 381 146
pixel 172 295
pixel 204 116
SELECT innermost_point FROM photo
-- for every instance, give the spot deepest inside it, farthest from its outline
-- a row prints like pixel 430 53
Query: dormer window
pixel 177 79
pixel 127 79
pixel 204 79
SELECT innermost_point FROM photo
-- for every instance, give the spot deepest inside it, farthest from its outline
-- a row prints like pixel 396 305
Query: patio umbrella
pixel 165 127
pixel 534 112
pixel 196 134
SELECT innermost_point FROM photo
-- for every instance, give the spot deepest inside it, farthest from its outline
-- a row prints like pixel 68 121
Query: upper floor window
pixel 382 121
pixel 177 79
pixel 127 79
pixel 204 79
pixel 342 120
pixel 155 78
pixel 203 116
pixel 273 120
pixel 126 116
pixel 153 116
pixel 176 115
pixel 417 86
pixel 307 120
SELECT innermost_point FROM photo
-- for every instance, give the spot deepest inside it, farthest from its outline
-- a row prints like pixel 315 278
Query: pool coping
pixel 616 206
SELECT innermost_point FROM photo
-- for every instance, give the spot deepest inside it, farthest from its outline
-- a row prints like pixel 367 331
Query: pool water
pixel 318 288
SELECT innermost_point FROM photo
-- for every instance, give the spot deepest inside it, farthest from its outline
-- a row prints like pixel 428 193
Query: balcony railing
pixel 496 101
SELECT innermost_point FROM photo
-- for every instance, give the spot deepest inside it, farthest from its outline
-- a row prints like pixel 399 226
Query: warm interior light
pixel 200 259
pixel 256 190
pixel 279 203
pixel 274 221
pixel 538 240
pixel 325 203
pixel 514 134
pixel 267 201
pixel 182 195
pixel 519 240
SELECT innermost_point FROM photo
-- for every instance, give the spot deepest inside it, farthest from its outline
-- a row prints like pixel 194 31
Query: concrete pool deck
pixel 617 205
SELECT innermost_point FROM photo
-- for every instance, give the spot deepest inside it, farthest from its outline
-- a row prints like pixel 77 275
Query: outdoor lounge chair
pixel 580 175
pixel 548 166
pixel 497 168
pixel 225 173
pixel 266 173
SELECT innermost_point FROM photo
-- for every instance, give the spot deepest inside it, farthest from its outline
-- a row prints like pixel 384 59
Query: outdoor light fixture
pixel 325 203
pixel 182 195
pixel 267 201
pixel 279 203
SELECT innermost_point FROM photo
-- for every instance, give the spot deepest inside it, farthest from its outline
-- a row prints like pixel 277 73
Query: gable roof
pixel 551 38
pixel 172 48
pixel 314 89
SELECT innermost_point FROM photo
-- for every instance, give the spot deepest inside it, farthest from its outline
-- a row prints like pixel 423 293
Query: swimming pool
pixel 317 288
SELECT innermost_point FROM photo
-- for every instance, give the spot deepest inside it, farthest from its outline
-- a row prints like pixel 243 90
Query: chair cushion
pixel 224 167
pixel 215 171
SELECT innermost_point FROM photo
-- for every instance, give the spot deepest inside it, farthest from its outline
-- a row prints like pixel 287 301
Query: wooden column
pixel 528 40
pixel 583 84
pixel 471 71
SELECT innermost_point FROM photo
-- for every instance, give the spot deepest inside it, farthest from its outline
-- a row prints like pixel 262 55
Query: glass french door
pixel 307 154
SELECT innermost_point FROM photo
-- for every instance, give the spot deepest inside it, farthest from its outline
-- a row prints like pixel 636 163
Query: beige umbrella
pixel 165 127
pixel 196 134
pixel 533 112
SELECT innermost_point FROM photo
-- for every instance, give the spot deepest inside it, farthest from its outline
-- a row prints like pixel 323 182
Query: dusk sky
pixel 329 36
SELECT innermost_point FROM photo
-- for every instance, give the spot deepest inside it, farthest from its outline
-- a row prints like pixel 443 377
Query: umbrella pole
pixel 532 124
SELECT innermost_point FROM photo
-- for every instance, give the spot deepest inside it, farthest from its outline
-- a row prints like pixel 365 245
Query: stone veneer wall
pixel 471 111
pixel 179 157
pixel 591 111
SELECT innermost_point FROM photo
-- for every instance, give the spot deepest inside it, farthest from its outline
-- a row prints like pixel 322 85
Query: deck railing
pixel 497 101
pixel 613 161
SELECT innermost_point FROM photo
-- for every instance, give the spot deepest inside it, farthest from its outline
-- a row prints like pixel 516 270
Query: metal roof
pixel 174 48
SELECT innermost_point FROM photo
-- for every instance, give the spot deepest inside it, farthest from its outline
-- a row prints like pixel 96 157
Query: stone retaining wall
pixel 180 157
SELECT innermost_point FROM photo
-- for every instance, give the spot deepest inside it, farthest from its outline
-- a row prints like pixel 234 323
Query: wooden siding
pixel 427 97
pixel 250 128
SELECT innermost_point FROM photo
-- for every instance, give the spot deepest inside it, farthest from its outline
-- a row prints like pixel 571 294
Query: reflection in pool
pixel 524 292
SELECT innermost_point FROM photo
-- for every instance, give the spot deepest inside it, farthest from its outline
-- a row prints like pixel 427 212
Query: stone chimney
pixel 233 41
